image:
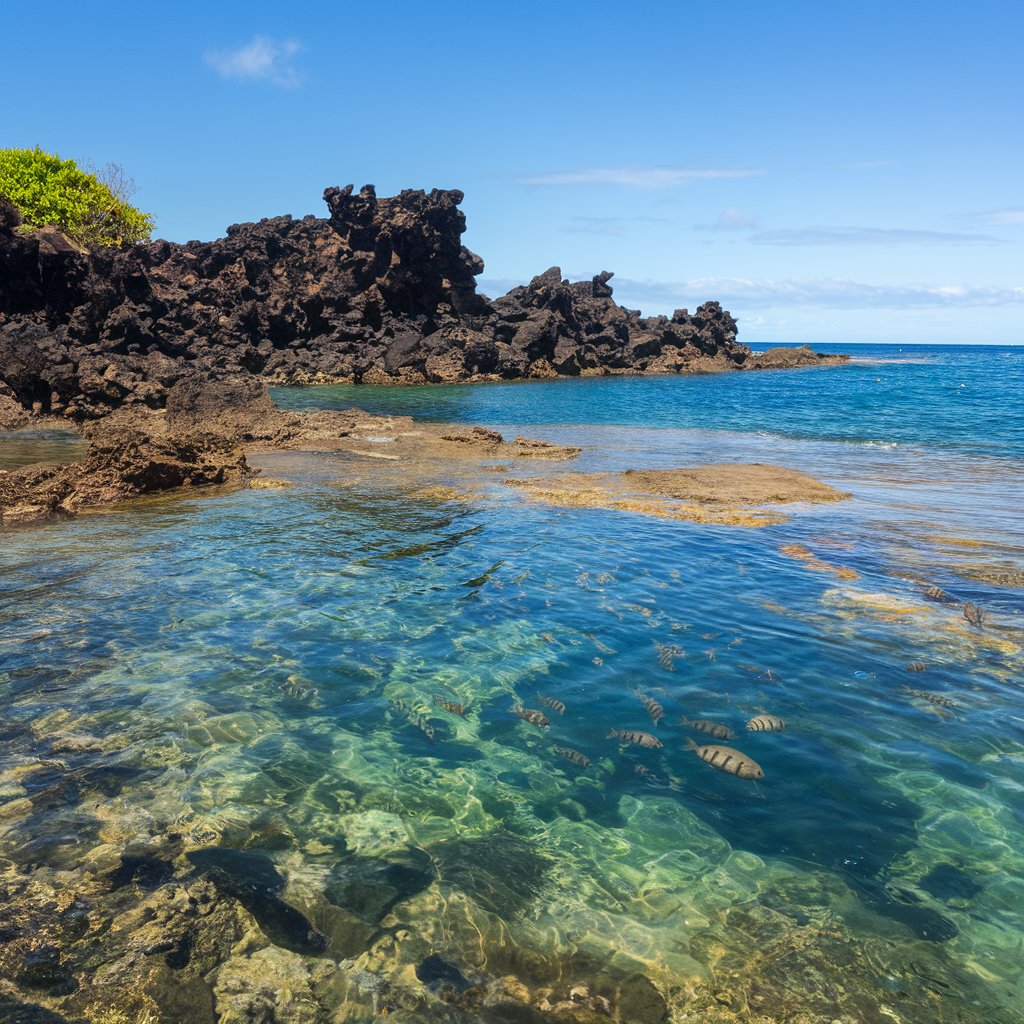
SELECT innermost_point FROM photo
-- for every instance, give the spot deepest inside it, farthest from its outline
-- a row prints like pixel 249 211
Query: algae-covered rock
pixel 270 986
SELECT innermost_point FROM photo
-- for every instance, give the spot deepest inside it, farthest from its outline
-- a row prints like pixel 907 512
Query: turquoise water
pixel 257 672
pixel 968 398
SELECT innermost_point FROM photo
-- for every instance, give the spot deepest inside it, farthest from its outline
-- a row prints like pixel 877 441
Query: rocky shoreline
pixel 208 432
pixel 381 291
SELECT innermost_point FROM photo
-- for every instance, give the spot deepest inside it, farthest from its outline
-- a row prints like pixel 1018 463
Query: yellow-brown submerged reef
pixel 726 494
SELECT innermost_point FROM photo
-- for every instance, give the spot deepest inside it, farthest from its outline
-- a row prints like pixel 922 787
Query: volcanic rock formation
pixel 380 291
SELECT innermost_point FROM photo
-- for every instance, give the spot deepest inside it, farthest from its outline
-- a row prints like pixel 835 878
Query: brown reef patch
pixel 726 494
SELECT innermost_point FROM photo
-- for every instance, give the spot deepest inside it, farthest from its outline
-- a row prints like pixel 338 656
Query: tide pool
pixel 263 674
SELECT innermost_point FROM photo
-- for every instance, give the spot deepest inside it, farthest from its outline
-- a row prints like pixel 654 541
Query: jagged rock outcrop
pixel 121 463
pixel 380 291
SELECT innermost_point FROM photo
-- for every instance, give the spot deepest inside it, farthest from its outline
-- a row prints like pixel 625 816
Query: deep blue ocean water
pixel 272 658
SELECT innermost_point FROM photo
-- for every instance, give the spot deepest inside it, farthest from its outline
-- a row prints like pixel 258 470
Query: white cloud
pixel 1011 215
pixel 837 293
pixel 730 220
pixel 866 236
pixel 614 226
pixel 261 59
pixel 634 177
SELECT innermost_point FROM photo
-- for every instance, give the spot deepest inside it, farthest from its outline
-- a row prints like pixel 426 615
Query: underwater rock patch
pixel 15 1011
pixel 253 880
pixel 438 974
pixel 370 887
pixel 948 882
pixel 500 872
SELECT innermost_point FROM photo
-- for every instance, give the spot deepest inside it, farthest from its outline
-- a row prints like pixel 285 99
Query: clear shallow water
pixel 234 670
pixel 968 398
pixel 24 447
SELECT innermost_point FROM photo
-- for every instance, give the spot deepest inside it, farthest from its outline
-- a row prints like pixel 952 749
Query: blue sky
pixel 832 172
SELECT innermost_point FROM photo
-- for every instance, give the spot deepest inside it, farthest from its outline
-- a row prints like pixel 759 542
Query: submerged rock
pixel 438 974
pixel 253 880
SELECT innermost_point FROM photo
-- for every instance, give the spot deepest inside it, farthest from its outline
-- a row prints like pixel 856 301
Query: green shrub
pixel 93 209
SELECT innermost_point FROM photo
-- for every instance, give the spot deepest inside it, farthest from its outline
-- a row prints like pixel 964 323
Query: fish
pixel 711 654
pixel 654 709
pixel 934 593
pixel 413 717
pixel 973 614
pixel 574 756
pixel 766 723
pixel 667 654
pixel 764 673
pixel 728 760
pixel 550 702
pixel 935 699
pixel 602 647
pixel 451 707
pixel 531 715
pixel 720 732
pixel 637 738
pixel 916 666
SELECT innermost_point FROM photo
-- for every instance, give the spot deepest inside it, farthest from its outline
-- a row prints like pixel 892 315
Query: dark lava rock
pixel 253 880
pixel 438 974
pixel 41 969
pixel 14 1011
pixel 144 870
pixel 380 291
pixel 948 882
pixel 369 887
pixel 907 909
pixel 10 215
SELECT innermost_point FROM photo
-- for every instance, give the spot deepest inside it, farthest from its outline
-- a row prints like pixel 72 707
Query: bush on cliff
pixel 93 209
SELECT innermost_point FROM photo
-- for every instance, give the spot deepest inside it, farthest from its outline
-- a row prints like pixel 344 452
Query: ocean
pixel 262 672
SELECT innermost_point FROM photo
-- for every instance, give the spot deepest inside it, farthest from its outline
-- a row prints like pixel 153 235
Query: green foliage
pixel 93 209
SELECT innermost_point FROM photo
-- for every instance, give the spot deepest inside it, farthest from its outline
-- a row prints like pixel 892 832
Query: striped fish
pixel 550 702
pixel 916 666
pixel 766 723
pixel 667 654
pixel 654 709
pixel 935 699
pixel 451 707
pixel 578 759
pixel 413 717
pixel 720 732
pixel 728 760
pixel 532 715
pixel 639 739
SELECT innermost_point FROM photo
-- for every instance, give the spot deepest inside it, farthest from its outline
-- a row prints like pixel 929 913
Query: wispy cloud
pixel 837 293
pixel 867 236
pixel 263 58
pixel 730 220
pixel 1008 215
pixel 614 226
pixel 635 177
